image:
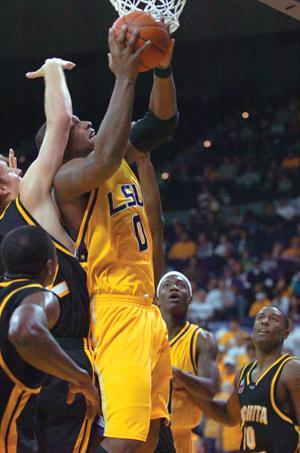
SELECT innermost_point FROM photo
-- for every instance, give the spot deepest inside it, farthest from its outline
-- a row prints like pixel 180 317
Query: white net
pixel 170 10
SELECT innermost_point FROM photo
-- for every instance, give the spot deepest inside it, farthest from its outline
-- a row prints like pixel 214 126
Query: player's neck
pixel 174 325
pixel 265 359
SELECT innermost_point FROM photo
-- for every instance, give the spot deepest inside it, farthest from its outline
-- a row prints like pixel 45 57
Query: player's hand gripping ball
pixel 150 29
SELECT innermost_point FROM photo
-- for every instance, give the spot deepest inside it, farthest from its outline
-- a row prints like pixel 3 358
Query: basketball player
pixel 266 398
pixel 56 423
pixel 113 223
pixel 29 316
pixel 193 351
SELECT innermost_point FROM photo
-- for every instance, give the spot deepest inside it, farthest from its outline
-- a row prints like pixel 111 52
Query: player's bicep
pixel 207 348
pixel 24 321
pixel 292 380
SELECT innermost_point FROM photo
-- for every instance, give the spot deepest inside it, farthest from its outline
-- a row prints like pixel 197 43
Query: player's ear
pixel 3 190
pixel 286 333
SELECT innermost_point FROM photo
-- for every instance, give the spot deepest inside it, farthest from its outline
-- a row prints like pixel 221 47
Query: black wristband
pixel 163 73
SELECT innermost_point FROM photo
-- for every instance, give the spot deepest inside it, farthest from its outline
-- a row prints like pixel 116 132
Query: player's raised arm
pixel 161 119
pixel 36 184
pixel 151 197
pixel 79 176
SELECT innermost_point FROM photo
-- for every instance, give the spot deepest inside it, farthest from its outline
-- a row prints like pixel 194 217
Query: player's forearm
pixel 39 348
pixel 151 194
pixel 217 411
pixel 58 104
pixel 163 102
pixel 152 201
pixel 113 133
pixel 158 256
pixel 196 386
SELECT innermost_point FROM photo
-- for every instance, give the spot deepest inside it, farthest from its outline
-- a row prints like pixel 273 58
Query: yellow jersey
pixel 116 234
pixel 185 414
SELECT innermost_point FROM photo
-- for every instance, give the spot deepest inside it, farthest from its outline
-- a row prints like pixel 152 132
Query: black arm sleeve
pixel 150 131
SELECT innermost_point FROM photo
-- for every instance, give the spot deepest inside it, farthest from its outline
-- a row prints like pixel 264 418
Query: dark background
pixel 228 53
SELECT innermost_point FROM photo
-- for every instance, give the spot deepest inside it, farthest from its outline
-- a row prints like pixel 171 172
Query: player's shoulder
pixel 206 341
pixel 291 368
pixel 290 373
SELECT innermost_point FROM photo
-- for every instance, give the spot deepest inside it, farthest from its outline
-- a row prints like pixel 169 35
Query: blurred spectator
pixel 291 162
pixel 250 178
pixel 204 247
pixel 224 247
pixel 249 356
pixel 282 296
pixel 200 310
pixel 183 249
pixel 293 251
pixel 261 301
pixel 221 299
pixel 285 209
pixel 227 338
pixel 292 343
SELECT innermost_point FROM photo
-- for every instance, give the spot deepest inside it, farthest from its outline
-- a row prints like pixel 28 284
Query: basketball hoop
pixel 169 10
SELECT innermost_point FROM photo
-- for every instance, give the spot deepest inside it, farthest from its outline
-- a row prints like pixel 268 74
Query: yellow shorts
pixel 132 359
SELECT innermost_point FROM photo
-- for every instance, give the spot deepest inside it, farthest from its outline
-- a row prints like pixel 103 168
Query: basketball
pixel 150 29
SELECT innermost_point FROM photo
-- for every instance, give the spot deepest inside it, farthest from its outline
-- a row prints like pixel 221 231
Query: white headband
pixel 175 274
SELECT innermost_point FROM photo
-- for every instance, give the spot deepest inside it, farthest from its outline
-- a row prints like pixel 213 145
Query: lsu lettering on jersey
pixel 116 234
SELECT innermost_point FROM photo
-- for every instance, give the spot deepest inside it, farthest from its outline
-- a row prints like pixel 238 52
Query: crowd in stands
pixel 241 257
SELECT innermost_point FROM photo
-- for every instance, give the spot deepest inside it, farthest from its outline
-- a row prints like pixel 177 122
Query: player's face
pixel 269 329
pixel 82 137
pixel 174 296
pixel 10 181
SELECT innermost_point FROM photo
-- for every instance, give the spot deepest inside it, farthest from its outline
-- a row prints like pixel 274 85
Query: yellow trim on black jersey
pixel 6 299
pixel 249 371
pixel 266 371
pixel 15 380
pixel 8 427
pixel 2 362
pixel 86 217
pixel 242 372
pixel 31 221
pixel 272 391
pixel 193 349
pixel 4 211
pixel 6 283
pixel 61 289
pixel 180 334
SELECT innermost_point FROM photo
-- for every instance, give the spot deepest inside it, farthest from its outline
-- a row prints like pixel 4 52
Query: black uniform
pixel 18 380
pixel 61 428
pixel 266 429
